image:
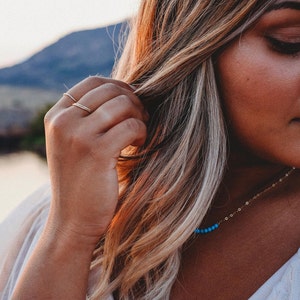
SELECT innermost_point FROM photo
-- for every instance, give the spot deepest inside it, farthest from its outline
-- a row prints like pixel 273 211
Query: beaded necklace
pixel 215 226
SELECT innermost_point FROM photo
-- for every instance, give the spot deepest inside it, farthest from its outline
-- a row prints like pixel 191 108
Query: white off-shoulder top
pixel 20 231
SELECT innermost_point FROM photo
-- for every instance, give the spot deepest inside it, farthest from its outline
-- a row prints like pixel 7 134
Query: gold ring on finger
pixel 70 96
pixel 79 105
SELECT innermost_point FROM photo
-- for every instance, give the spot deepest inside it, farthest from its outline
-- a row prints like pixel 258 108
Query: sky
pixel 29 26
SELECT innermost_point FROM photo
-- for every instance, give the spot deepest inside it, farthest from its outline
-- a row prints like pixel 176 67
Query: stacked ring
pixel 79 105
pixel 70 96
pixel 83 107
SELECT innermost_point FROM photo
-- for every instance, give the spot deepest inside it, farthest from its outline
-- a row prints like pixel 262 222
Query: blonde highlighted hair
pixel 168 185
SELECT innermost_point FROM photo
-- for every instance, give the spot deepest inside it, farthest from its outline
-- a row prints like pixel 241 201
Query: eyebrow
pixel 285 5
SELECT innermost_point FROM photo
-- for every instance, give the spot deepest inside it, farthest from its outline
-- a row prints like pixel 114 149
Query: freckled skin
pixel 261 97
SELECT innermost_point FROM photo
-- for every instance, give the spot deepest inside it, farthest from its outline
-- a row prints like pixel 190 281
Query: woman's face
pixel 259 78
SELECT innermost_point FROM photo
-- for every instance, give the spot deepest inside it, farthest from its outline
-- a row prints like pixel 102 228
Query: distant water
pixel 20 174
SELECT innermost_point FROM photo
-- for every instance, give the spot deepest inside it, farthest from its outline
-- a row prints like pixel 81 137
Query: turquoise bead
pixel 207 229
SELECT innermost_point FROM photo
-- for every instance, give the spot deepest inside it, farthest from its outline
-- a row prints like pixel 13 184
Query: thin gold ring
pixel 82 107
pixel 70 96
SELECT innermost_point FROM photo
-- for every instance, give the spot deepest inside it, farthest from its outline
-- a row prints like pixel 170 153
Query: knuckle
pixel 133 125
pixel 50 114
pixel 112 87
pixel 53 126
pixel 47 117
pixel 57 127
pixel 95 80
pixel 55 123
pixel 123 100
pixel 105 115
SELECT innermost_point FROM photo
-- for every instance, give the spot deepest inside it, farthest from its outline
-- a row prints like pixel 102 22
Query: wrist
pixel 58 267
pixel 68 237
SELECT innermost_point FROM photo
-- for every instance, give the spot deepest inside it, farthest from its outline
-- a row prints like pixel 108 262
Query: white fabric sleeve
pixel 19 233
pixel 284 284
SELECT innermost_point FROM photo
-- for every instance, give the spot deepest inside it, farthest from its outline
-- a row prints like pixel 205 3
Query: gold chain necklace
pixel 247 203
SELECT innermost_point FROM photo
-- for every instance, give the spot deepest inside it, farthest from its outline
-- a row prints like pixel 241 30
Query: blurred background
pixel 45 48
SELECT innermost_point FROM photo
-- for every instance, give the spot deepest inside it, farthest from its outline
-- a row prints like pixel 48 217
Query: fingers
pixel 86 86
pixel 129 132
pixel 98 96
pixel 113 112
pixel 92 93
pixel 100 109
pixel 109 90
pixel 83 146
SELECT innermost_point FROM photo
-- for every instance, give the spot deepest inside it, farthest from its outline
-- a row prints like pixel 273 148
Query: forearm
pixel 57 269
pixel 82 154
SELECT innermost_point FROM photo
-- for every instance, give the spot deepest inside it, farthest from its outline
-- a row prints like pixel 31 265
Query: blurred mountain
pixel 67 61
pixel 28 87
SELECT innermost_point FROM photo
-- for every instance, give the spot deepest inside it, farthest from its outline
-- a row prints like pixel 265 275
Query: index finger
pixel 85 86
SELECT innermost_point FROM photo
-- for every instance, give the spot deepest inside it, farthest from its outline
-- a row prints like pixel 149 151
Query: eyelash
pixel 284 47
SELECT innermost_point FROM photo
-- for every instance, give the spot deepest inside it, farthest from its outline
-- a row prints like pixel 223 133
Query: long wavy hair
pixel 168 185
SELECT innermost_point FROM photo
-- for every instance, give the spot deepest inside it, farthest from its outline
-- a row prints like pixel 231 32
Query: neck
pixel 244 178
pixel 246 173
pixel 234 204
pixel 242 181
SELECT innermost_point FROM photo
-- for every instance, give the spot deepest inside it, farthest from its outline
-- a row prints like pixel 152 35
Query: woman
pixel 212 116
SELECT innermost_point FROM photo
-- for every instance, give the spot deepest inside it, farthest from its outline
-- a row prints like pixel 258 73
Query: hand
pixel 83 149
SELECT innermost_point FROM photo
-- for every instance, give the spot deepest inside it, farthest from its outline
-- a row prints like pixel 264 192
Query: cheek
pixel 243 84
pixel 253 80
pixel 249 84
pixel 258 97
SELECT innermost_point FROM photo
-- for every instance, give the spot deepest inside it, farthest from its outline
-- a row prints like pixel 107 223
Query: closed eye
pixel 283 47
